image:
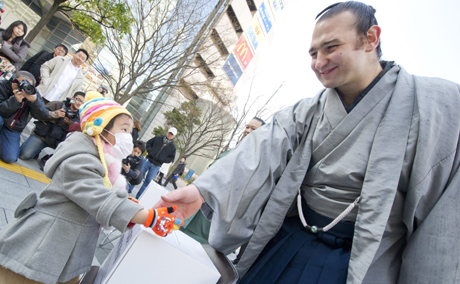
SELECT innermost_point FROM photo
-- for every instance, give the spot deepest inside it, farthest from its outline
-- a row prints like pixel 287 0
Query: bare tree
pixel 203 127
pixel 262 106
pixel 161 41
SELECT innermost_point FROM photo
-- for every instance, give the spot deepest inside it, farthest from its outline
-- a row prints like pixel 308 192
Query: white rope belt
pixel 315 229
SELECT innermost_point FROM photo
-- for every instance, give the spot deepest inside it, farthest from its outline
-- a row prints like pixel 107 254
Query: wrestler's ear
pixel 373 38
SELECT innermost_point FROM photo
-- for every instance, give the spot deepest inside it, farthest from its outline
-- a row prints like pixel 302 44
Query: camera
pixel 130 160
pixel 68 111
pixel 25 86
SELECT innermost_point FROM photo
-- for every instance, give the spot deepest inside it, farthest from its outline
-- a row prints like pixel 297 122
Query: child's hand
pixel 162 222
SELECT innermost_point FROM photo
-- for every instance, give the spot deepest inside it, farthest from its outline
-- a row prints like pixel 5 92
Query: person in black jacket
pixel 179 170
pixel 136 129
pixel 15 106
pixel 160 150
pixel 52 131
pixel 35 62
pixel 133 164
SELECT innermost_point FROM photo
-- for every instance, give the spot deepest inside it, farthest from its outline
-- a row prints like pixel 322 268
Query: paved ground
pixel 19 179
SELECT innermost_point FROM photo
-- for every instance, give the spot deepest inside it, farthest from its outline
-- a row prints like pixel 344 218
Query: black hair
pixel 185 159
pixel 63 46
pixel 364 15
pixel 259 119
pixel 79 94
pixel 26 75
pixel 112 121
pixel 9 31
pixel 139 144
pixel 84 51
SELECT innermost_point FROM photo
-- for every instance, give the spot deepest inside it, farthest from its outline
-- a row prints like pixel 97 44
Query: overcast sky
pixel 422 36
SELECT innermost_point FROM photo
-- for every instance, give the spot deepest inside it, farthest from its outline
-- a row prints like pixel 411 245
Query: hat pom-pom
pixel 89 131
pixel 98 121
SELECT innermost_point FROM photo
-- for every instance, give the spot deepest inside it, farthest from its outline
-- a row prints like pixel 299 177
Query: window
pixel 236 24
pixel 219 43
pixel 204 67
pixel 187 91
pixel 251 5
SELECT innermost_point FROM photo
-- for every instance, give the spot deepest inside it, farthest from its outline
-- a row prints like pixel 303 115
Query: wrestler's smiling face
pixel 338 53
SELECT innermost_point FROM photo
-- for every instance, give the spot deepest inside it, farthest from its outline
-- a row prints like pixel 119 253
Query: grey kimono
pixel 407 224
pixel 54 238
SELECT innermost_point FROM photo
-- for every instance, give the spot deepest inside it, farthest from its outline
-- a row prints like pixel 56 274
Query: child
pixel 55 237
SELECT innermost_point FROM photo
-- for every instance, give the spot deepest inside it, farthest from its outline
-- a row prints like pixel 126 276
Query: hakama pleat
pixel 296 255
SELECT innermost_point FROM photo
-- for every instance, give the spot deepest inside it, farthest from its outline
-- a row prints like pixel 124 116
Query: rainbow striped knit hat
pixel 95 114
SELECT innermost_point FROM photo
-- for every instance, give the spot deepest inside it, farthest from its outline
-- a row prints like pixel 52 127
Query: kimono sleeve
pixel 432 252
pixel 237 187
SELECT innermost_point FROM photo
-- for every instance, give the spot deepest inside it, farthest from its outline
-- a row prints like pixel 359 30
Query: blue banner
pixel 189 174
pixel 266 17
pixel 232 69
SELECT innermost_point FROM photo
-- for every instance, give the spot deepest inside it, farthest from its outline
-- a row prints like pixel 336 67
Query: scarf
pixel 117 180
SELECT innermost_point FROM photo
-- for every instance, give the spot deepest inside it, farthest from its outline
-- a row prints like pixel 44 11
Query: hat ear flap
pixel 106 179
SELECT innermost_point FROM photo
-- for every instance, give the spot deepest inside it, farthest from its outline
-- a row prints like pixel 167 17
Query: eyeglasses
pixel 60 50
pixel 78 100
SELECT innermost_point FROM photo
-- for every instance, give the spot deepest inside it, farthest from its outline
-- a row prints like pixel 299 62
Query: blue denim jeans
pixel 129 187
pixel 152 172
pixel 9 144
pixel 31 147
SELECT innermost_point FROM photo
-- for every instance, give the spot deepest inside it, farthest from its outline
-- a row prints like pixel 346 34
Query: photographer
pixel 50 132
pixel 132 165
pixel 17 100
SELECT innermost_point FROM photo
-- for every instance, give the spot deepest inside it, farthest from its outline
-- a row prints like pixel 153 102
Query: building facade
pixel 229 46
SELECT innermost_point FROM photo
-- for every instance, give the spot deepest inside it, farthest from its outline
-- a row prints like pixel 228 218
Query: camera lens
pixel 29 89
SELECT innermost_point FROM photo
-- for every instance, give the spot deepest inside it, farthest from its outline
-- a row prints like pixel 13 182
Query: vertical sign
pixel 189 174
pixel 252 36
pixel 281 4
pixel 266 16
pixel 257 29
pixel 255 33
pixel 232 69
pixel 243 51
pixel 275 5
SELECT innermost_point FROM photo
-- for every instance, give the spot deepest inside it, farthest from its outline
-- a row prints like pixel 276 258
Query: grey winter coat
pixel 55 237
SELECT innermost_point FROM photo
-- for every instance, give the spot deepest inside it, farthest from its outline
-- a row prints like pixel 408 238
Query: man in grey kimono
pixel 376 135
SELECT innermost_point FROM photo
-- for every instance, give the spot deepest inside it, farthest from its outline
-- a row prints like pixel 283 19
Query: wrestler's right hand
pixel 187 199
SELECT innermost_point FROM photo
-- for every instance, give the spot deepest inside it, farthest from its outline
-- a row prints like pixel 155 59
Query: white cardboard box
pixel 142 257
pixel 152 194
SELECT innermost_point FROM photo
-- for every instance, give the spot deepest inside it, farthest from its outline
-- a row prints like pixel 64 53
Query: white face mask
pixel 123 144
